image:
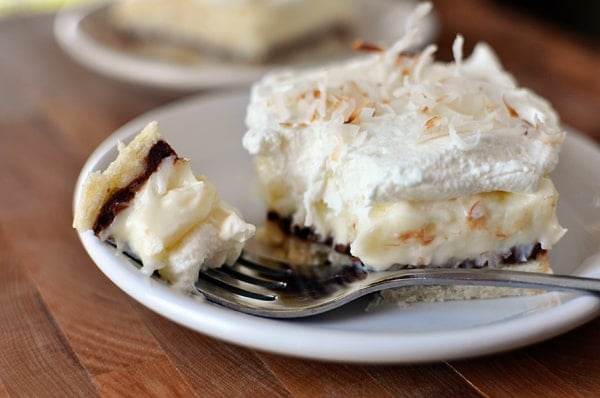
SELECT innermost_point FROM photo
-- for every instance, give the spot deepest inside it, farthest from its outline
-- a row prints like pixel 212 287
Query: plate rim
pixel 226 326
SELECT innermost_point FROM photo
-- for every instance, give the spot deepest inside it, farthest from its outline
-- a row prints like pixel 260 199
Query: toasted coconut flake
pixel 512 112
pixel 476 215
pixel 359 45
pixel 431 122
pixel 422 235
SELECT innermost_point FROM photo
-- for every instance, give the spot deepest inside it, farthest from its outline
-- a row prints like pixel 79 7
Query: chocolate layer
pixel 120 199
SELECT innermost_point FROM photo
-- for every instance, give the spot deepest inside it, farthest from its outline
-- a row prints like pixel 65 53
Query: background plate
pixel 209 129
pixel 86 35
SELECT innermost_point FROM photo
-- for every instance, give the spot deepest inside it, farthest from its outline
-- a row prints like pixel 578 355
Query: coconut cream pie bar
pixel 246 29
pixel 403 161
pixel 150 204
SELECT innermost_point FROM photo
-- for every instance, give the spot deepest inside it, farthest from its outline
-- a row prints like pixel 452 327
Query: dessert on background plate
pixel 150 205
pixel 250 30
pixel 403 161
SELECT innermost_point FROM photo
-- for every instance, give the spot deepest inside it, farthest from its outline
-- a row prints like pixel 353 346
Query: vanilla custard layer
pixel 439 233
pixel 177 224
pixel 246 28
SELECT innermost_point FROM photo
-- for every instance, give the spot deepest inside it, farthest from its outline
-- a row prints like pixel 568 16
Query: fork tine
pixel 215 282
pixel 266 283
pixel 265 266
pixel 303 280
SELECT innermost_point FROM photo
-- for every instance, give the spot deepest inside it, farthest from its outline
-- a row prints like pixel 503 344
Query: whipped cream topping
pixel 397 126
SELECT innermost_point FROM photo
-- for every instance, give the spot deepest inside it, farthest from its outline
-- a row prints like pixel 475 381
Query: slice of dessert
pixel 250 30
pixel 150 204
pixel 403 161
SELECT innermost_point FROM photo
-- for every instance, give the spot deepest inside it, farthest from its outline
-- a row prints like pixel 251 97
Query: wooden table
pixel 66 330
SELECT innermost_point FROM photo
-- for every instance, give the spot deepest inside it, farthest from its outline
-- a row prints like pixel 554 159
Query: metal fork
pixel 259 285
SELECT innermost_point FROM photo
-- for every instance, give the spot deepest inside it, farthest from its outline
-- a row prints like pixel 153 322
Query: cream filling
pixel 247 28
pixel 177 225
pixel 444 231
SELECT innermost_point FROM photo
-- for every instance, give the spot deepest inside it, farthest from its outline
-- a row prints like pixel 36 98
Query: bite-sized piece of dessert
pixel 407 162
pixel 251 30
pixel 150 204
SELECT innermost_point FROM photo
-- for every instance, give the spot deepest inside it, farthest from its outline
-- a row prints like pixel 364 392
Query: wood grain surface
pixel 66 330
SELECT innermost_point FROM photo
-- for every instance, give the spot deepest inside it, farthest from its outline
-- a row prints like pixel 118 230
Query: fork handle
pixel 490 277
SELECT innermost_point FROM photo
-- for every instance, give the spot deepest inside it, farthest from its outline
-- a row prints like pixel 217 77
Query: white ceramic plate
pixel 86 35
pixel 209 129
